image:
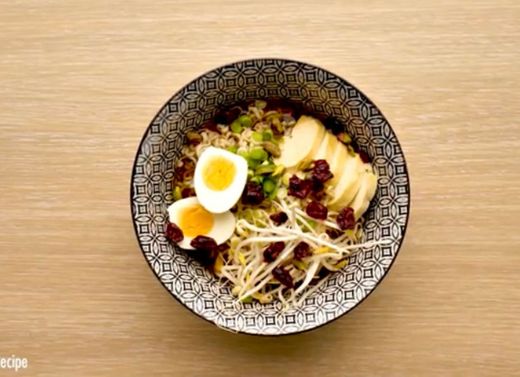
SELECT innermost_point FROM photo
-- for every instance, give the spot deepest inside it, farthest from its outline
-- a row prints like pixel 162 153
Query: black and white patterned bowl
pixel 324 94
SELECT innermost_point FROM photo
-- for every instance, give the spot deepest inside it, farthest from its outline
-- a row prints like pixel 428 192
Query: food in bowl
pixel 322 94
pixel 271 200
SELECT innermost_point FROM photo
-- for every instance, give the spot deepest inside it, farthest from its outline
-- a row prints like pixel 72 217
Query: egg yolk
pixel 195 221
pixel 218 173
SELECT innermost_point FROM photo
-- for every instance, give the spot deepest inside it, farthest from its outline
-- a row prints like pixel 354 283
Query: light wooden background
pixel 80 81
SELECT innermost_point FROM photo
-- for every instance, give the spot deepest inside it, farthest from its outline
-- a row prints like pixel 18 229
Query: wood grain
pixel 81 80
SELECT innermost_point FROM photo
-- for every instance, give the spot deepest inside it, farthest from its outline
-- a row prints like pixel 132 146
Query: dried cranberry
pixel 285 107
pixel 316 210
pixel 299 188
pixel 317 186
pixel 220 118
pixel 302 250
pixel 287 110
pixel 354 146
pixel 204 243
pixel 223 247
pixel 279 218
pixel 321 171
pixel 297 110
pixel 320 164
pixel 323 272
pixel 253 194
pixel 227 116
pixel 274 104
pixel 185 170
pixel 318 192
pixel 206 258
pixel 283 276
pixel 179 173
pixel 223 250
pixel 333 125
pixel 206 250
pixel 174 233
pixel 187 192
pixel 334 233
pixel 318 195
pixel 273 251
pixel 188 163
pixel 346 218
pixel 364 157
pixel 211 125
pixel 232 114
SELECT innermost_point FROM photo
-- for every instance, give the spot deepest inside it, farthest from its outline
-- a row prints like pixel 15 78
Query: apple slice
pixel 366 192
pixel 328 143
pixel 303 143
pixel 349 182
pixel 337 157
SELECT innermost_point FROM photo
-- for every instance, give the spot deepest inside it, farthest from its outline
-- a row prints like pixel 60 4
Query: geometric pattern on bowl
pixel 324 94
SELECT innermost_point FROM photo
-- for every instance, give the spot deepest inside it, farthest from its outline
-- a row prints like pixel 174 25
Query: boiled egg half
pixel 194 220
pixel 220 178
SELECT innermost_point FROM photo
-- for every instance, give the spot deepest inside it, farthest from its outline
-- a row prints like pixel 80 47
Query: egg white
pixel 220 201
pixel 223 223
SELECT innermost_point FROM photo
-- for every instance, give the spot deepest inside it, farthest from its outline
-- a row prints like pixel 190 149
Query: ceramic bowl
pixel 322 93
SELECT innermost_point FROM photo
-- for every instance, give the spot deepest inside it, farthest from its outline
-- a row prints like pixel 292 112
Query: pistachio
pixel 177 193
pixel 233 148
pixel 257 136
pixel 272 148
pixel 265 169
pixel 260 104
pixel 236 127
pixel 278 170
pixel 258 154
pixel 245 121
pixel 277 127
pixel 344 138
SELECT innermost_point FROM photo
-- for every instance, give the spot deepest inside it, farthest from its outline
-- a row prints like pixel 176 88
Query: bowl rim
pixel 344 82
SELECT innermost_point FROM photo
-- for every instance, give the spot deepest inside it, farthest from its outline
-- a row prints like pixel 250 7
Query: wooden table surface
pixel 80 81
